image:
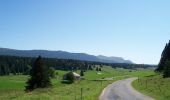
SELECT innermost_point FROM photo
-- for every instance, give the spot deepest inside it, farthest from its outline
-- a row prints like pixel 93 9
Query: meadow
pixel 154 86
pixel 12 87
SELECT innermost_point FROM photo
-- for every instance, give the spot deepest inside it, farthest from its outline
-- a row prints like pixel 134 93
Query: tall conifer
pixel 39 76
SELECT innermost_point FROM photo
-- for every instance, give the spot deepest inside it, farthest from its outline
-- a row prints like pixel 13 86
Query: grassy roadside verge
pixel 154 86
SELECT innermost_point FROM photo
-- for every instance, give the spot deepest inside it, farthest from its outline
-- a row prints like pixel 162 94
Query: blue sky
pixel 133 29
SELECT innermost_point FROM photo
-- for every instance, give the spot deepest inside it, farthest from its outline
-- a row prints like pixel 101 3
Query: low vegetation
pixel 12 87
pixel 155 86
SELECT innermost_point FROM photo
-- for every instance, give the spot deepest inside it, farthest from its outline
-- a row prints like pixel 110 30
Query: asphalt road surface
pixel 122 90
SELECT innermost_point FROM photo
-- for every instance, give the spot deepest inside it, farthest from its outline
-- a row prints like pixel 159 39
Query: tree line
pixel 22 65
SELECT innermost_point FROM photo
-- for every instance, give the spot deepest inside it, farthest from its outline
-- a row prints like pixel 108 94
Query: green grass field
pixel 154 86
pixel 12 87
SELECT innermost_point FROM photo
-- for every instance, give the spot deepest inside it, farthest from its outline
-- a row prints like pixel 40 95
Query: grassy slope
pixel 154 86
pixel 11 87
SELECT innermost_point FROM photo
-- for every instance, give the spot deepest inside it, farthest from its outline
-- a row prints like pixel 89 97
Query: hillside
pixel 62 55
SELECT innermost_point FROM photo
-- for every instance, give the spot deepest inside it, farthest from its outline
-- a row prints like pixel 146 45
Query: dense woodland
pixel 22 65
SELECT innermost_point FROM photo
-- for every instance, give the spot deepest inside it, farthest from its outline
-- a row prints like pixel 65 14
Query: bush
pixel 51 72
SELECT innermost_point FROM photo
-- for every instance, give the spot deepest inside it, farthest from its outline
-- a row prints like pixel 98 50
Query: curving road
pixel 122 90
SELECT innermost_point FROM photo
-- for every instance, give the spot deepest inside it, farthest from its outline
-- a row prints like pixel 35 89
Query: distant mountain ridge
pixel 115 59
pixel 62 55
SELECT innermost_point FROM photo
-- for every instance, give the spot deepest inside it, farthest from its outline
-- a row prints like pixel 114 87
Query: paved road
pixel 122 90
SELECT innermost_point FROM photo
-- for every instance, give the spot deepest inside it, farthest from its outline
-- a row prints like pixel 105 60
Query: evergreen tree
pixel 164 57
pixel 90 67
pixel 0 70
pixel 81 73
pixel 100 69
pixel 166 72
pixel 39 76
pixel 97 69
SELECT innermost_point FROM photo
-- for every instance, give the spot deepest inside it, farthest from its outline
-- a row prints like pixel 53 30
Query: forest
pixel 22 65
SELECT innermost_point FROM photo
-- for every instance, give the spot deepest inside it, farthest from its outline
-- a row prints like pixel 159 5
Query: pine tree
pixel 39 76
pixel 97 69
pixel 0 70
pixel 90 67
pixel 81 73
pixel 100 69
pixel 162 60
pixel 166 72
pixel 165 56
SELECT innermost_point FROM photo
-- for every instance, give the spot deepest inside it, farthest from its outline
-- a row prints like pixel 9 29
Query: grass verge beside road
pixel 154 86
